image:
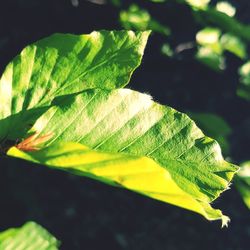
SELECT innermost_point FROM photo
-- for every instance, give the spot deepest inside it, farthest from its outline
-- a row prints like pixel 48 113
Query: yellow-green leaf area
pixel 139 174
pixel 30 236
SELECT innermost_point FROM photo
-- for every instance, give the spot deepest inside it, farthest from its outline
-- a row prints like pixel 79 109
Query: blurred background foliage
pixel 220 33
pixel 197 61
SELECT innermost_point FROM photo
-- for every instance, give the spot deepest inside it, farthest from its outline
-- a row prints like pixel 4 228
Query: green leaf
pixel 234 45
pixel 211 16
pixel 242 182
pixel 210 50
pixel 130 123
pixel 210 38
pixel 64 64
pixel 200 4
pixel 139 19
pixel 208 57
pixel 226 8
pixel 30 236
pixel 215 127
pixel 167 50
pixel 244 87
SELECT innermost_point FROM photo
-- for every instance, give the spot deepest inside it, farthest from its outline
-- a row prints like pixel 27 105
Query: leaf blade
pixel 139 174
pixel 29 236
pixel 125 121
pixel 63 64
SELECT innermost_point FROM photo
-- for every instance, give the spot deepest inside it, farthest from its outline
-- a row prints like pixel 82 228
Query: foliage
pixel 60 95
pixel 244 89
pixel 140 19
pixel 50 68
pixel 243 182
pixel 215 127
pixel 29 236
pixel 221 32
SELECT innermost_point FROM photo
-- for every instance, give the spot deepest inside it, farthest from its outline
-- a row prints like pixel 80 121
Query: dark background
pixel 85 214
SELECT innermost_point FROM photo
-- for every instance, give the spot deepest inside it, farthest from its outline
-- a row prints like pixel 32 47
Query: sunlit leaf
pixel 124 123
pixel 210 37
pixel 234 45
pixel 215 127
pixel 198 3
pixel 139 174
pixel 212 45
pixel 210 50
pixel 30 236
pixel 207 56
pixel 63 64
pixel 226 7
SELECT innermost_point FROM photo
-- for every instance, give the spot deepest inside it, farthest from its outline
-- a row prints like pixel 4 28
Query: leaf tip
pixel 224 221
